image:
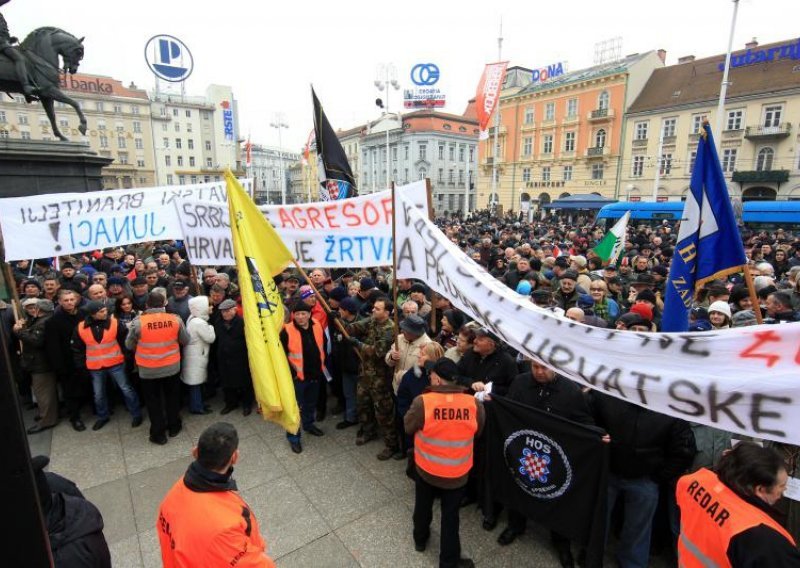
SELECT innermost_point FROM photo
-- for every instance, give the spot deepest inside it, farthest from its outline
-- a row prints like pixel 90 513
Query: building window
pixel 208 145
pixel 191 161
pixel 123 157
pixel 190 143
pixel 734 121
pixel 22 118
pixel 164 127
pixel 134 109
pixel 567 173
pixel 101 125
pixel 550 111
pixel 729 159
pixel 121 142
pixel 764 161
pixel 772 116
pixel 597 171
pixel 451 177
pixel 697 122
pixel 188 127
pixel 451 153
pixel 666 164
pixel 140 163
pixel 174 112
pixel 177 127
pixel 25 135
pixel 3 133
pixel 547 144
pixel 180 161
pixel 98 105
pixel 188 114
pixel 527 146
pixel 638 166
pixel 668 127
pixel 181 180
pixel 139 143
pixel 441 151
pixel 692 160
pixel 166 142
pixel 169 179
pixel 205 114
pixel 118 109
pixel 603 101
pixel 104 141
pixel 569 141
pixel 423 153
pixel 394 154
pixel 461 153
pixel 471 154
pixel 194 179
pixel 546 173
pixel 209 163
pixel 440 179
pixel 120 127
pixel 406 151
pixel 2 116
pixel 600 139
pixel 526 174
pixel 641 129
pixel 167 160
pixel 178 143
pixel 572 108
pixel 529 115
pixel 137 127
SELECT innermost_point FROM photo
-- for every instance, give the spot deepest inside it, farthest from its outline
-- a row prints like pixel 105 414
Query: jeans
pixel 640 501
pixel 349 382
pixel 117 373
pixel 195 398
pixel 306 393
pixel 450 544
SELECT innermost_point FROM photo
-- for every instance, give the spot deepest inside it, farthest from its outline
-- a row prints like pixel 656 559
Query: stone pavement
pixel 334 505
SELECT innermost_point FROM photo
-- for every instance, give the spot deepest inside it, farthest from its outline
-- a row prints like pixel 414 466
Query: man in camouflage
pixel 373 338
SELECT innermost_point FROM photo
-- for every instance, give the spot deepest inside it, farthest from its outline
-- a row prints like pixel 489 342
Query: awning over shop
pixel 577 202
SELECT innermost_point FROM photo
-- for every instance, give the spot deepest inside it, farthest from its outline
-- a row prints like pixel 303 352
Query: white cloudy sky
pixel 271 51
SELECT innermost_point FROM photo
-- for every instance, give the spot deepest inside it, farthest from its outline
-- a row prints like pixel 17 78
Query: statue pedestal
pixel 33 167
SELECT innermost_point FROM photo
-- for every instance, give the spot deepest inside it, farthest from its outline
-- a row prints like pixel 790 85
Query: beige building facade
pixel 759 136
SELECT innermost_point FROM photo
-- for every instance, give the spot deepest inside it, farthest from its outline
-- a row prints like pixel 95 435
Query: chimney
pixel 752 44
pixel 686 59
pixel 662 55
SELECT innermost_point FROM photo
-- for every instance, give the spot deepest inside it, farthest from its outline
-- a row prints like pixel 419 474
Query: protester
pixel 444 421
pixel 230 355
pixel 194 370
pixel 203 521
pixel 31 333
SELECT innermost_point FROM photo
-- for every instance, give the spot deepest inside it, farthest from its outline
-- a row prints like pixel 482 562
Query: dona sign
pixel 546 73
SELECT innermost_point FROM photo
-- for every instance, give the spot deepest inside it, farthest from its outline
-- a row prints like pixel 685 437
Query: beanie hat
pixel 646 295
pixel 720 307
pixel 744 318
pixel 367 284
pixel 643 310
pixel 349 304
pixel 569 275
pixel 585 301
pixel 300 307
pixel 338 294
pixel 94 306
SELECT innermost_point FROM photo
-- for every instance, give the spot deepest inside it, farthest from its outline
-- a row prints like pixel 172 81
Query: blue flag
pixel 709 245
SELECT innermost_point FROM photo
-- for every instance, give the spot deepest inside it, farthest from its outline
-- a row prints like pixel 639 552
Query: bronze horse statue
pixel 41 50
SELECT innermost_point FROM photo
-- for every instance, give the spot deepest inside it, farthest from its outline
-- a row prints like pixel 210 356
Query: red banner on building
pixel 488 93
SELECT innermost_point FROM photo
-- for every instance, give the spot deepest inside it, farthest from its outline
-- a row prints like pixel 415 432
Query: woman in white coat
pixel 194 369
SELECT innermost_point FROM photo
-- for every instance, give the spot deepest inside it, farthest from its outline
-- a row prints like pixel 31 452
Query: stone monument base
pixel 33 167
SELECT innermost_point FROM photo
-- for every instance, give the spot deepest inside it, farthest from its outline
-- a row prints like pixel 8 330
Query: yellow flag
pixel 260 254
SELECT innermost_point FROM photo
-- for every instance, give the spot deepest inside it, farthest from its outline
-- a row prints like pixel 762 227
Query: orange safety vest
pixel 158 341
pixel 103 354
pixel 295 354
pixel 711 515
pixel 215 528
pixel 443 447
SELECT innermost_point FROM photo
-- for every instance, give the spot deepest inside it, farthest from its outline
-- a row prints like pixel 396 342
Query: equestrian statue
pixel 32 69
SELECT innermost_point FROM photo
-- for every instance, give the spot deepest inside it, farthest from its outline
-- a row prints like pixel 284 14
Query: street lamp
pixel 386 77
pixel 278 122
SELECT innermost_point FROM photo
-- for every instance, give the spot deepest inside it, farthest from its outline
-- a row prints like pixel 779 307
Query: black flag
pixel 335 176
pixel 550 469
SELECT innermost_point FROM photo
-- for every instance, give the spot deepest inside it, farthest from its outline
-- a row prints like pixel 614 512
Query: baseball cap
pixel 306 292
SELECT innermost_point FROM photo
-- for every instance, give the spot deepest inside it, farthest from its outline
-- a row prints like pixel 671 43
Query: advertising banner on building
pixel 427 90
pixel 488 95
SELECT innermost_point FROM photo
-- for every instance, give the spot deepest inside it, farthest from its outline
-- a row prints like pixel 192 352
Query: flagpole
pixel 321 298
pixel 751 288
pixel 660 151
pixel 394 268
pixel 431 216
pixel 494 195
pixel 723 88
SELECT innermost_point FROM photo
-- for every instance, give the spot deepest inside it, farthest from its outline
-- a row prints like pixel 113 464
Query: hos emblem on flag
pixel 538 464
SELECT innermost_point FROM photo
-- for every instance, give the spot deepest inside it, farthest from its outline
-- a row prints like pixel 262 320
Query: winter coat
pixel 231 353
pixel 34 355
pixel 75 527
pixel 58 341
pixel 194 368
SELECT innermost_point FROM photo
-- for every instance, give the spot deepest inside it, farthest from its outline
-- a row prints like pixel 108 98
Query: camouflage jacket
pixel 377 340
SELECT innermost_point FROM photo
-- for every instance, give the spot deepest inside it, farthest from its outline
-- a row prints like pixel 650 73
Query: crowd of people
pixel 170 335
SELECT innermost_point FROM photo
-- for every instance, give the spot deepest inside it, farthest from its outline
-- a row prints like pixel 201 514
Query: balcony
pixel 601 114
pixel 570 119
pixel 641 143
pixel 732 134
pixel 597 152
pixel 489 161
pixel 762 132
pixel 493 128
pixel 668 140
pixel 764 176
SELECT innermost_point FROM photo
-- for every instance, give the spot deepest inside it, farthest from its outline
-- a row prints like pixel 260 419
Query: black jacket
pixel 58 332
pixel 761 546
pixel 498 368
pixel 561 397
pixel 230 351
pixel 75 527
pixel 343 355
pixel 643 442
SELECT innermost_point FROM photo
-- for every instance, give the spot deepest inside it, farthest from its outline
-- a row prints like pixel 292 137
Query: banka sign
pixel 754 56
pixel 227 119
pixel 93 85
pixel 546 73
